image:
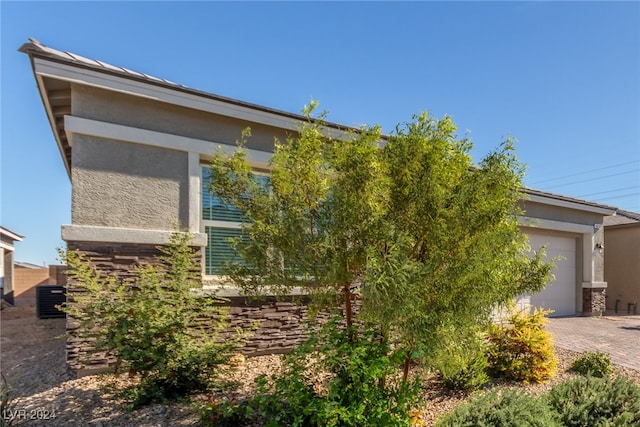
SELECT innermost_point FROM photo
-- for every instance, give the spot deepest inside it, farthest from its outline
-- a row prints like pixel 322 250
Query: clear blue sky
pixel 563 78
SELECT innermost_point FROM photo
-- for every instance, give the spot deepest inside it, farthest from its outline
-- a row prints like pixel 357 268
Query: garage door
pixel 560 295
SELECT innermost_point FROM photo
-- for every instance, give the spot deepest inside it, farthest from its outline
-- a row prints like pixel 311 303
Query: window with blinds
pixel 221 223
pixel 219 249
pixel 212 208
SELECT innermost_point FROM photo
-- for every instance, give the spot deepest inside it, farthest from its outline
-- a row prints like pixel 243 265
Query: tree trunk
pixel 348 310
pixel 407 364
pixel 382 382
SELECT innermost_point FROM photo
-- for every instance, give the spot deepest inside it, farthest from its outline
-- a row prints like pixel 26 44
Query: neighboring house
pixel 7 239
pixel 622 263
pixel 136 149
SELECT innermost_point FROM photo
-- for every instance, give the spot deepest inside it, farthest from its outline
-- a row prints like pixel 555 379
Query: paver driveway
pixel 617 335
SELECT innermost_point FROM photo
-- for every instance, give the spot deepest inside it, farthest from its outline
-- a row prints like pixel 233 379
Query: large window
pixel 221 222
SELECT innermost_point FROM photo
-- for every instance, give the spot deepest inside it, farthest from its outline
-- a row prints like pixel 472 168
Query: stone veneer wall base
pixel 272 326
pixel 593 301
pixel 119 260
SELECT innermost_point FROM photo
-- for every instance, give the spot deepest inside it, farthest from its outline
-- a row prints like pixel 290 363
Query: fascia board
pixel 567 204
pixel 171 96
pixel 48 111
pixel 11 235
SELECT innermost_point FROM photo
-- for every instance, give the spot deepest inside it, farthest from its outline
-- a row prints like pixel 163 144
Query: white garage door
pixel 560 295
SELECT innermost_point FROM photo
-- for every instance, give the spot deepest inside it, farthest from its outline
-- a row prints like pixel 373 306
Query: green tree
pixel 452 250
pixel 314 223
pixel 426 238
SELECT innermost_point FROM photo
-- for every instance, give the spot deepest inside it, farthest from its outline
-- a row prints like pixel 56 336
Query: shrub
pixel 336 378
pixel 229 412
pixel 462 362
pixel 522 349
pixel 593 363
pixel 591 401
pixel 464 371
pixel 358 387
pixel 150 323
pixel 495 409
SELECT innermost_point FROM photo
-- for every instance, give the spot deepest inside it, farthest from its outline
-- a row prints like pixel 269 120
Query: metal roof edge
pixel 36 49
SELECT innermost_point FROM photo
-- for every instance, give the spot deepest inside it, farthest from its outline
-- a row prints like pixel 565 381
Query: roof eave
pixel 11 234
pixel 273 117
pixel 42 91
pixel 537 196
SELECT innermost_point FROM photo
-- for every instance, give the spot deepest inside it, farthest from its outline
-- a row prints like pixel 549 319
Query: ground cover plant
pixel 577 402
pixel 150 323
pixel 592 401
pixel 593 363
pixel 404 226
pixel 507 408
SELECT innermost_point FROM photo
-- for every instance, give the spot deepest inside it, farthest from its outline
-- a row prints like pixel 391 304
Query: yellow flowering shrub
pixel 521 349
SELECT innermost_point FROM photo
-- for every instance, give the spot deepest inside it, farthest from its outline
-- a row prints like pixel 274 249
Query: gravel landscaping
pixel 45 394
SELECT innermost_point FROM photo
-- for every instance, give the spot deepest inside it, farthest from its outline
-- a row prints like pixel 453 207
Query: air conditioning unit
pixel 47 297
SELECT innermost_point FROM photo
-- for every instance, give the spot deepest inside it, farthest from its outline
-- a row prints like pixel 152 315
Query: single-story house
pixel 622 263
pixel 136 148
pixel 7 240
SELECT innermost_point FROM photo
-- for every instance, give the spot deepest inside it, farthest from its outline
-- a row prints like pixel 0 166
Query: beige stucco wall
pixel 113 107
pixel 622 265
pixel 117 184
